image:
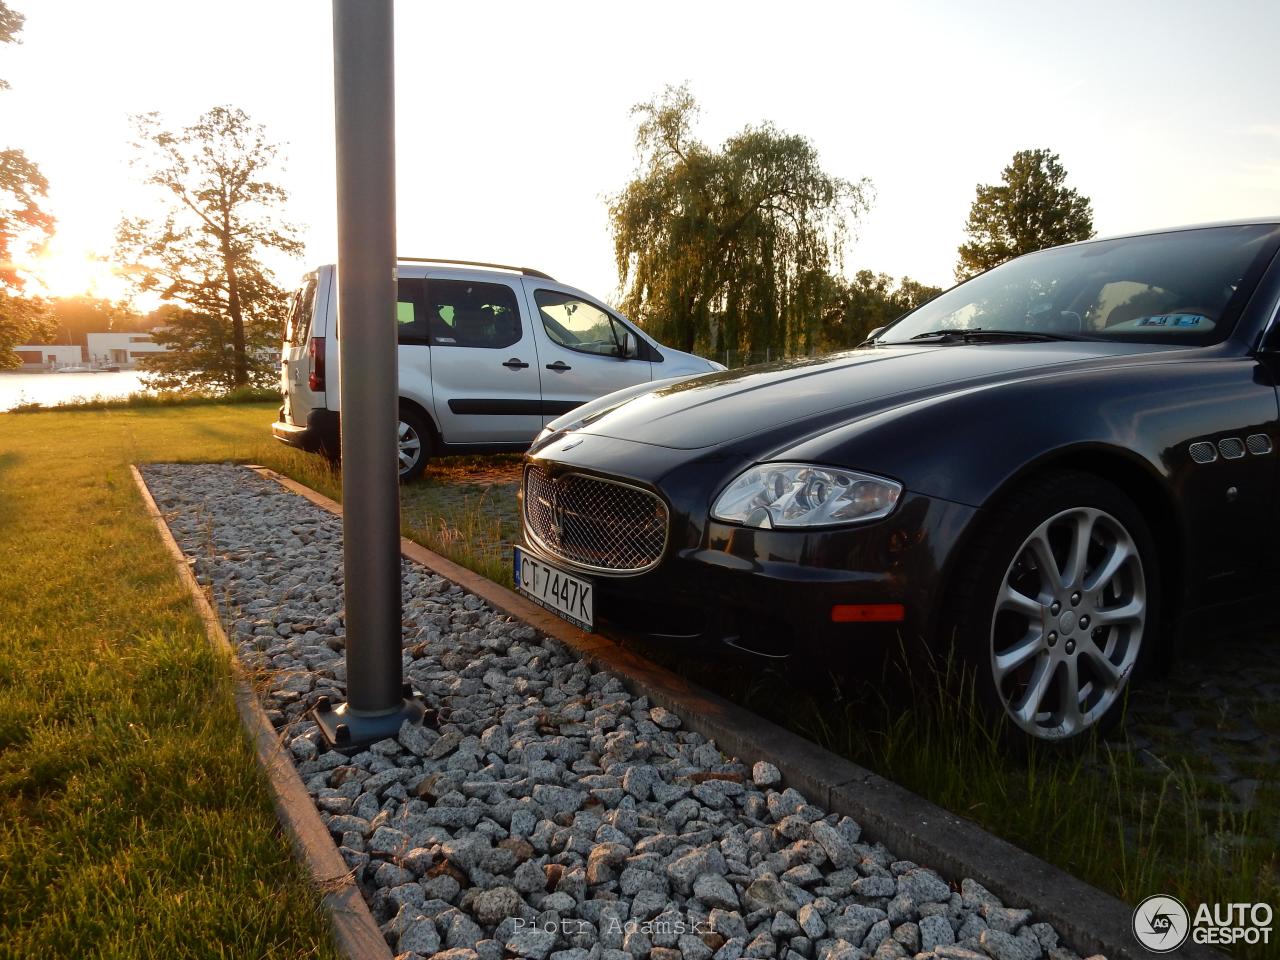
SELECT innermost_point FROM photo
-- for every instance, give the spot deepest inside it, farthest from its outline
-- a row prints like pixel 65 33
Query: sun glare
pixel 71 272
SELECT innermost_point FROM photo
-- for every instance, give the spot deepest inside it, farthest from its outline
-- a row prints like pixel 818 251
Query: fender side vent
pixel 1203 452
pixel 1231 448
pixel 1258 444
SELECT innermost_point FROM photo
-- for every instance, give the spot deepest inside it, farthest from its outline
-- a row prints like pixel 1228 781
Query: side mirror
pixel 873 334
pixel 629 348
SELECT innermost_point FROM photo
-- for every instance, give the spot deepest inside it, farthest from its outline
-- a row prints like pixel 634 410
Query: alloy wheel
pixel 1068 623
pixel 410 447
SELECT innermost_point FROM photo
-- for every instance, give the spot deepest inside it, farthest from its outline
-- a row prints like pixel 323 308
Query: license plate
pixel 570 596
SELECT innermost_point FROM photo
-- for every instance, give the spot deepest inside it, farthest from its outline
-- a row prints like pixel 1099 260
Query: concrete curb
pixel 1088 919
pixel 355 933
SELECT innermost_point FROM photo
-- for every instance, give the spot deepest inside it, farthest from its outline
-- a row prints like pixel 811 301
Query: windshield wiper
pixel 977 334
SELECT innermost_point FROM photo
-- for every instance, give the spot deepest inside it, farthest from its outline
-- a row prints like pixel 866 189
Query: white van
pixel 488 356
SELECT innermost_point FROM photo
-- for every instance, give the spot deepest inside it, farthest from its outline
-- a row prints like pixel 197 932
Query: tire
pixel 415 440
pixel 1052 649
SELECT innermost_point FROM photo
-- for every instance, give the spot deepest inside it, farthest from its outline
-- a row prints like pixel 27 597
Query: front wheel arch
pixel 1141 483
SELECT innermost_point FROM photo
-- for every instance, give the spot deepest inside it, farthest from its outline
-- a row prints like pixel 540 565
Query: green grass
pixel 133 819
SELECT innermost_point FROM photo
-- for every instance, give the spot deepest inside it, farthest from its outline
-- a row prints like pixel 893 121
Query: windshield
pixel 1187 286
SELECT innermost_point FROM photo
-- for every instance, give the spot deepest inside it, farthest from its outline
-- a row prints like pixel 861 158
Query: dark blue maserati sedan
pixel 1056 470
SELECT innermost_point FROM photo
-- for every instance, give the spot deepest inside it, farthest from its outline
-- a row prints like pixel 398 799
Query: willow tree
pixel 220 212
pixel 730 246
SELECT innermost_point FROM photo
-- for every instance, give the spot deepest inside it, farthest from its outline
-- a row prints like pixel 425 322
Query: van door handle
pixel 515 363
pixel 559 366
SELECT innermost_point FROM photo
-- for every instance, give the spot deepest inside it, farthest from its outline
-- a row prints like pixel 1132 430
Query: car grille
pixel 602 525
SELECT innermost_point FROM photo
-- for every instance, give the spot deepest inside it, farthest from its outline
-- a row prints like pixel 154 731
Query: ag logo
pixel 1161 923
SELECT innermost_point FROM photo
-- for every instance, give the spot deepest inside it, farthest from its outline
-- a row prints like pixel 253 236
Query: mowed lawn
pixel 133 819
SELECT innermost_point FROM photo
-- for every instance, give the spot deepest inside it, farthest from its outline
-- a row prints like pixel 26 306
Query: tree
pixel 222 214
pixel 869 300
pixel 23 319
pixel 728 247
pixel 75 317
pixel 10 26
pixel 201 357
pixel 1030 210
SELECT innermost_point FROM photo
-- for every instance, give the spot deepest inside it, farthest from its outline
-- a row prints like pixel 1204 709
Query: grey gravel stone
pixel 767 893
pixel 494 906
pixel 420 936
pixel 874 887
pixel 389 842
pixel 935 932
pixel 923 886
pixel 811 922
pixel 713 890
pixel 839 850
pixel 1005 946
pixel 765 774
pixel 530 942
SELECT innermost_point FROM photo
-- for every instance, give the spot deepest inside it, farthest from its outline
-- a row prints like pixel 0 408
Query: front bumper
pixel 320 435
pixel 771 593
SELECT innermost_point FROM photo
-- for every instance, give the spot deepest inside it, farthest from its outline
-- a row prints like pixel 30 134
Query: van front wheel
pixel 413 440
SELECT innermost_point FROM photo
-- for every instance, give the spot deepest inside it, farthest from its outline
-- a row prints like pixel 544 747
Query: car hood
pixel 720 407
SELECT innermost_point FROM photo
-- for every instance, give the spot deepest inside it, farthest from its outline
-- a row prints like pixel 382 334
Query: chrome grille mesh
pixel 1232 448
pixel 1203 452
pixel 1258 443
pixel 598 524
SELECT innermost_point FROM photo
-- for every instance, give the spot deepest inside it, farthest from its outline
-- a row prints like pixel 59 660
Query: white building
pixel 48 356
pixel 121 349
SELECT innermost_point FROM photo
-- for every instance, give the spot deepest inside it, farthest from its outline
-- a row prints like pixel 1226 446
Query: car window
pixel 579 325
pixel 1185 286
pixel 411 312
pixel 301 305
pixel 466 313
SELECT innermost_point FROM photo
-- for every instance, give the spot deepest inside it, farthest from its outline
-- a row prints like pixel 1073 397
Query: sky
pixel 513 122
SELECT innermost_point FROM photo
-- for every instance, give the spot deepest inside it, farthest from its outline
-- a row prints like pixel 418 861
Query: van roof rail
pixel 527 271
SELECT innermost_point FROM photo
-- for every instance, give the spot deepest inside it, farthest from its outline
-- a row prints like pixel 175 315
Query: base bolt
pixel 1084 623
pixel 1071 646
pixel 1075 598
pixel 1055 608
pixel 1053 637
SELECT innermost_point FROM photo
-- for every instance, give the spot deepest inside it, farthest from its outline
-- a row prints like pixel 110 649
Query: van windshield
pixel 1186 286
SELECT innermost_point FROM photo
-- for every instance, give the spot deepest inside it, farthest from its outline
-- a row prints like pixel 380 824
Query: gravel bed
pixel 553 814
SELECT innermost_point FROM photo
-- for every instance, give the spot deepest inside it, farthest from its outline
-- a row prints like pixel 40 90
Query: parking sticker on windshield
pixel 1173 320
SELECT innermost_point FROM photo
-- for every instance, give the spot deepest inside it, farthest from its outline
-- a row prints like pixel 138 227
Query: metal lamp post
pixel 378 701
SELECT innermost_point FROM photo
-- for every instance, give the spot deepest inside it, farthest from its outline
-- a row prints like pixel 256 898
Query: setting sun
pixel 63 270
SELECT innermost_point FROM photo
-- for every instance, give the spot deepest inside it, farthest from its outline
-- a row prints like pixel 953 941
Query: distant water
pixel 50 389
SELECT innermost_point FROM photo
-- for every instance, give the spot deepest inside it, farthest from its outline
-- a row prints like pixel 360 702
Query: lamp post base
pixel 349 732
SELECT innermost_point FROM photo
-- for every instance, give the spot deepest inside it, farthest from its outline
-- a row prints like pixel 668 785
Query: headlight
pixel 781 495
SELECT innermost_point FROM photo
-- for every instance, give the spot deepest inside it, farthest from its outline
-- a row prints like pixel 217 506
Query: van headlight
pixel 787 495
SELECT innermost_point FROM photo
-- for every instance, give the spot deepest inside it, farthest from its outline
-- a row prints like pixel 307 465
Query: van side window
pixel 579 325
pixel 466 313
pixel 301 306
pixel 411 312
